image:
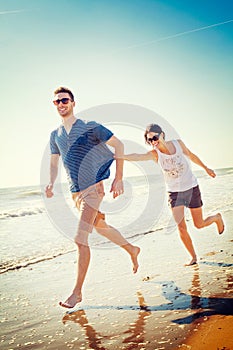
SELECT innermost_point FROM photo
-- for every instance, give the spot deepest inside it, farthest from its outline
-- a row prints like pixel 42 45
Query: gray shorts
pixel 190 198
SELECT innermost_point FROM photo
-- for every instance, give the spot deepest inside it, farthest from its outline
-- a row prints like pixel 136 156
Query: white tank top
pixel 177 170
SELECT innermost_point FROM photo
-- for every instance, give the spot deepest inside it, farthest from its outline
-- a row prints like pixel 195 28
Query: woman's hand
pixel 210 172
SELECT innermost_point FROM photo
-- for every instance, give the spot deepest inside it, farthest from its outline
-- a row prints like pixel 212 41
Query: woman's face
pixel 154 138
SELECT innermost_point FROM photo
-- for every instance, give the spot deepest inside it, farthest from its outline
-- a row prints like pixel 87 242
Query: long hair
pixel 153 128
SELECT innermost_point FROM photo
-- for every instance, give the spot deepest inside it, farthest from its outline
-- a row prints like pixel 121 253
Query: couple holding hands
pixel 87 159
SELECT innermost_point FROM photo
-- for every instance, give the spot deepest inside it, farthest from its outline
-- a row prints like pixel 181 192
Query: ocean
pixel 34 228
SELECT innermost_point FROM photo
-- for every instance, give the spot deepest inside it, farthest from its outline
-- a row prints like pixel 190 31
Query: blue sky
pixel 173 57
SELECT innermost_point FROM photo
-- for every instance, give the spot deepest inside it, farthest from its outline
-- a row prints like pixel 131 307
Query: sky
pixel 174 57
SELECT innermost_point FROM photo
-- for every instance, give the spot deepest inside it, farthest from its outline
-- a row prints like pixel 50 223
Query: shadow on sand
pixel 177 300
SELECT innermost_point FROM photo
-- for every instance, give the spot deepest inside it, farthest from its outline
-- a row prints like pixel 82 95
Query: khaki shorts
pixel 88 202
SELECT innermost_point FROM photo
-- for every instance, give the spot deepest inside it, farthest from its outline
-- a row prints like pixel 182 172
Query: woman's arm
pixel 136 157
pixel 195 159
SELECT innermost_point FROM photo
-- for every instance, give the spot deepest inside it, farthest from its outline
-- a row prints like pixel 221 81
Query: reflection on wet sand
pixel 136 329
pixel 80 317
pixel 195 291
pixel 135 333
pixel 204 306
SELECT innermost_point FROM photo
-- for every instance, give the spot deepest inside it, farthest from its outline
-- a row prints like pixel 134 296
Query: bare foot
pixel 220 223
pixel 134 258
pixel 71 301
pixel 192 262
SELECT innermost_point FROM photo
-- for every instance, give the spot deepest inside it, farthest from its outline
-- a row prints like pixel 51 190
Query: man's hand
pixel 49 191
pixel 117 188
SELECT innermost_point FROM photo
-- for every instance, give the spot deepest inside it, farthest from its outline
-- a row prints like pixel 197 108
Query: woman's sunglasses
pixel 64 101
pixel 154 138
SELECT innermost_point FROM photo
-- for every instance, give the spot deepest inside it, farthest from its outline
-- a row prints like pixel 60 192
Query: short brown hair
pixel 64 89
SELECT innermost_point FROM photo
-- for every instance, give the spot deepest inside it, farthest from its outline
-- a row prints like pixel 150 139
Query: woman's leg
pixel 199 222
pixel 178 214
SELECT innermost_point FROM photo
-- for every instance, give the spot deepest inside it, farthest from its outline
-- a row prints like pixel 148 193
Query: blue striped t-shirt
pixel 85 155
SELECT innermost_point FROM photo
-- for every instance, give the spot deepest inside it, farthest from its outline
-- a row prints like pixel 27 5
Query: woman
pixel 182 185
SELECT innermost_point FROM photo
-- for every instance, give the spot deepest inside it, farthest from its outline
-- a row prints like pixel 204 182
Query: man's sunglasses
pixel 64 101
pixel 154 138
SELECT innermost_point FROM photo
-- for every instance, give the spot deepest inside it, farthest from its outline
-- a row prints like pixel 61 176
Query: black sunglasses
pixel 154 138
pixel 64 101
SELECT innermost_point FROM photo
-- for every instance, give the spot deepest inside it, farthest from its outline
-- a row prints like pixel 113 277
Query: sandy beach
pixel 214 332
pixel 164 306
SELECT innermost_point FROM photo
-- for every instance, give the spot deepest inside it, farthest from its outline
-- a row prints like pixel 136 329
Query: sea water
pixel 34 228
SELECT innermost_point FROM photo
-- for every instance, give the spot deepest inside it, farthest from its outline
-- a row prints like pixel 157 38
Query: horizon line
pixel 39 185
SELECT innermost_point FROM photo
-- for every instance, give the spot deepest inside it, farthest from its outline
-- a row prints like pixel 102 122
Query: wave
pixel 16 213
pixel 25 262
pixel 22 212
pixel 30 193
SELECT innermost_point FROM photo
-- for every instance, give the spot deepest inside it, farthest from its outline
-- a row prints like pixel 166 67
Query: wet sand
pixel 214 332
pixel 164 306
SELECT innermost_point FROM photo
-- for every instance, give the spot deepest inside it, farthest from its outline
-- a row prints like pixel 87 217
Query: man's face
pixel 64 104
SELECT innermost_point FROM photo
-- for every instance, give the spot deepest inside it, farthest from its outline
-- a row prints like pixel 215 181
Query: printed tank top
pixel 176 169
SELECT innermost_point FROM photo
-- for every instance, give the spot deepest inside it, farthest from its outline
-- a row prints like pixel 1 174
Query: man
pixel 86 158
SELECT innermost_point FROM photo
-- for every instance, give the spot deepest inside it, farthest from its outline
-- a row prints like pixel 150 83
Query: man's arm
pixel 117 185
pixel 195 159
pixel 54 161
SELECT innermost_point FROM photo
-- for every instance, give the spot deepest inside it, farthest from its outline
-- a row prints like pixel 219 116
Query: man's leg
pixel 86 221
pixel 115 236
pixel 83 263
